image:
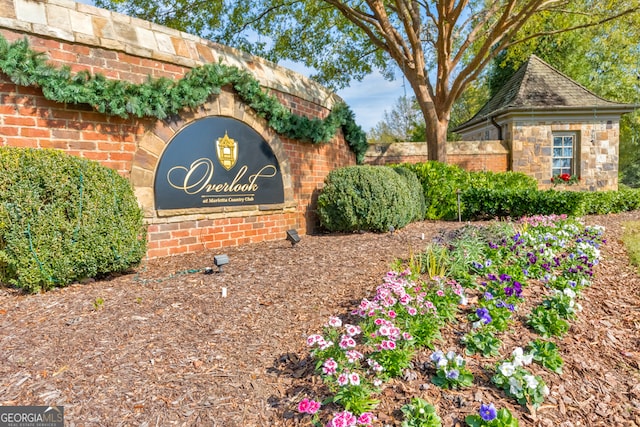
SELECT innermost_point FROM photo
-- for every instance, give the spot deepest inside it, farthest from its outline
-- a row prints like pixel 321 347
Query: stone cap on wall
pixel 403 149
pixel 88 25
pixel 477 147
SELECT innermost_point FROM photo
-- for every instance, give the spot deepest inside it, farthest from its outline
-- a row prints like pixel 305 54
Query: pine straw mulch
pixel 165 348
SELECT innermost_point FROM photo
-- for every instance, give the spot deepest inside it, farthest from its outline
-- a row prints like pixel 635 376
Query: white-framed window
pixel 565 148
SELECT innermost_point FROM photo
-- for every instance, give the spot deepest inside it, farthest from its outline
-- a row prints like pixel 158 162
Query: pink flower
pixel 347 342
pixel 335 322
pixel 366 419
pixel 353 330
pixel 353 355
pixel 440 293
pixel 312 339
pixel 329 366
pixel 343 419
pixel 307 406
pixel 343 379
pixel 354 378
pixel 412 311
pixel 392 314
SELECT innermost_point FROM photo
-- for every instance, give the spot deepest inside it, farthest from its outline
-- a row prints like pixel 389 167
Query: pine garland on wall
pixel 162 97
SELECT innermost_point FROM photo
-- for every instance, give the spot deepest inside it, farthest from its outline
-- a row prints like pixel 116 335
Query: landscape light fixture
pixel 220 260
pixel 292 236
pixel 391 229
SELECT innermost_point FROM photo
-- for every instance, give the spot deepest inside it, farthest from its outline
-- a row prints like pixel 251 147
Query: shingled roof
pixel 538 86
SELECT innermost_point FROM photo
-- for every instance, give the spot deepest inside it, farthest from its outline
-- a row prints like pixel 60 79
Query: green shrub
pixel 371 198
pixel 441 182
pixel 631 175
pixel 604 202
pixel 482 203
pixel 63 219
pixel 415 189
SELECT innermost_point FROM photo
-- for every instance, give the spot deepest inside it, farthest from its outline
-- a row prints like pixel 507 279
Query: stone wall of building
pixel 83 37
pixel 532 152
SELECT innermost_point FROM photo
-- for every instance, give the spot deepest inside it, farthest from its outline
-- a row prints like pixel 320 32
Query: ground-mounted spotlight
pixel 292 236
pixel 391 229
pixel 220 260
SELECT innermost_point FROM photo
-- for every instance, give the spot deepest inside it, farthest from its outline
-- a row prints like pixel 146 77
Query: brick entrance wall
pixel 87 38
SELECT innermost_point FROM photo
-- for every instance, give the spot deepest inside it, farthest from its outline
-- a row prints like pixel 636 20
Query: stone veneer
pixel 532 152
pixel 120 47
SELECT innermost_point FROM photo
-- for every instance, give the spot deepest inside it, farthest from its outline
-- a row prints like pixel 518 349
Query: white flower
pixel 569 292
pixel 514 386
pixel 507 369
pixel 451 355
pixel 531 381
pixel 459 360
pixel 519 359
pixel 476 325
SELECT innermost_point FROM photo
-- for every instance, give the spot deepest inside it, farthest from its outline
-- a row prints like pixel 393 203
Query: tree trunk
pixel 436 122
pixel 435 130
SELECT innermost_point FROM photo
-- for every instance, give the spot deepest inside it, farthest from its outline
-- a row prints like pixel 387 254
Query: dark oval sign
pixel 217 161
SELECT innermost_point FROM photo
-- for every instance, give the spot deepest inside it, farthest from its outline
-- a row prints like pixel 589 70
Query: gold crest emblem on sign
pixel 227 150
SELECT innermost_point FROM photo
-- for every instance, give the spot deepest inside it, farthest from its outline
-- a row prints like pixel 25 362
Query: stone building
pixel 552 125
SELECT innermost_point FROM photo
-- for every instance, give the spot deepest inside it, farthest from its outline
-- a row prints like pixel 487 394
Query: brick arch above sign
pixel 153 143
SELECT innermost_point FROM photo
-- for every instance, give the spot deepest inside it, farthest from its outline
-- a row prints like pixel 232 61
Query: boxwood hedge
pixel 63 219
pixel 370 198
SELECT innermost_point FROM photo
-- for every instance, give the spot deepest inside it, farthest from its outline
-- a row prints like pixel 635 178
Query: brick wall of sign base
pixel 87 38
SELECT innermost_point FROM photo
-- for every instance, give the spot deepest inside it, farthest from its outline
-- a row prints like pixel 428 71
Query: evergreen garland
pixel 162 97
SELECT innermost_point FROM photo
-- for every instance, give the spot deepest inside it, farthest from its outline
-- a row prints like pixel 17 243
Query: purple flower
pixel 504 277
pixel 453 374
pixel 488 296
pixel 488 412
pixel 483 315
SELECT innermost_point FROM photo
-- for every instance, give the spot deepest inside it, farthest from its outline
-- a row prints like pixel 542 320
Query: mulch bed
pixel 162 347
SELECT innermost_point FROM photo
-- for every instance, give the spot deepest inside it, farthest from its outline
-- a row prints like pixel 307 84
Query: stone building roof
pixel 538 86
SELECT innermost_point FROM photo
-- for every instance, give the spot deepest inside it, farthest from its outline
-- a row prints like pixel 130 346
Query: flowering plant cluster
pixel 419 413
pixel 519 383
pixel 546 354
pixel 450 370
pixel 406 313
pixel 565 178
pixel 488 416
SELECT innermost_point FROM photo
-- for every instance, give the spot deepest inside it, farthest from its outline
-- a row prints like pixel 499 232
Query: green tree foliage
pixel 399 124
pixel 440 46
pixel 604 59
pixel 63 218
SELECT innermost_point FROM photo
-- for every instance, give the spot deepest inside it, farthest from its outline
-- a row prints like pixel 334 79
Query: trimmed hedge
pixel 63 219
pixel 440 183
pixel 482 203
pixel 369 198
